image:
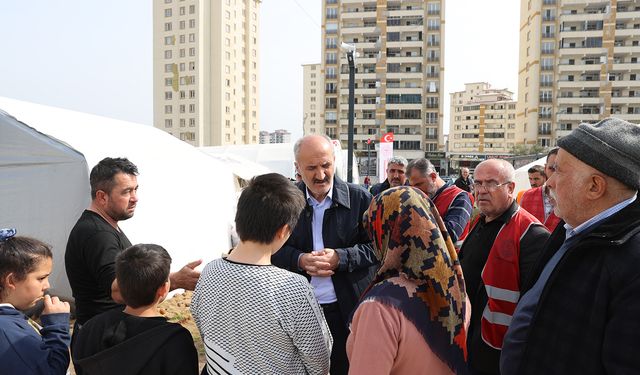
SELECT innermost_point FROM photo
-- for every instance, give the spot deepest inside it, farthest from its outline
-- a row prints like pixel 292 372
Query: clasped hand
pixel 320 262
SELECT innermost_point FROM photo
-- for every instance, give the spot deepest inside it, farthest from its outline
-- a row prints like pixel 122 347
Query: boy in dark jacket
pixel 137 340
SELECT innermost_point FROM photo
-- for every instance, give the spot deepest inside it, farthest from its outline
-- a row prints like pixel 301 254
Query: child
pixel 138 340
pixel 25 347
pixel 256 318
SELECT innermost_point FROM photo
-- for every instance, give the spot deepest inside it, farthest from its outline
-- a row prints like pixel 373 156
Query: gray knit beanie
pixel 611 146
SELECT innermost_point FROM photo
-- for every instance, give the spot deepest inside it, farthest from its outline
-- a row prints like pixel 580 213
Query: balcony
pixel 578 101
pixel 577 84
pixel 357 15
pixel 635 50
pixel 562 68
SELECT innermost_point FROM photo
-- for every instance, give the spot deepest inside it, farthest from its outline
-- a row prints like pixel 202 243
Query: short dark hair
pixel 553 151
pixel 422 165
pixel 101 177
pixel 269 202
pixel 141 270
pixel 21 255
pixel 538 169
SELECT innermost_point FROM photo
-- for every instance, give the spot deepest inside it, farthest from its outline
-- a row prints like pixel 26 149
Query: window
pixel 192 23
pixel 168 95
pixel 168 123
pixel 192 9
pixel 192 37
pixel 192 51
pixel 168 68
pixel 167 12
pixel 167 26
pixel 168 40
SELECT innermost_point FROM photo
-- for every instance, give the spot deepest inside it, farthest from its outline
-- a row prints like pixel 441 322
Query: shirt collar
pixel 599 217
pixel 311 199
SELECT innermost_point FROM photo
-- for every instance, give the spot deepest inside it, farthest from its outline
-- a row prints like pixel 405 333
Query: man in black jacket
pixel 464 182
pixel 396 175
pixel 329 244
pixel 581 315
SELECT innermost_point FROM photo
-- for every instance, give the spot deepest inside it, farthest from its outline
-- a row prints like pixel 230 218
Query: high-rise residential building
pixel 264 137
pixel 399 78
pixel 482 124
pixel 205 70
pixel 280 136
pixel 313 99
pixel 277 136
pixel 578 63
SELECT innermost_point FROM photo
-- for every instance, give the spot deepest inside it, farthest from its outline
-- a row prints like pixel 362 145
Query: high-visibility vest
pixel 533 201
pixel 443 202
pixel 501 277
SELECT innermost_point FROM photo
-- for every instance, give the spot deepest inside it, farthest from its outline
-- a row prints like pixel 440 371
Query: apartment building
pixel 205 70
pixel 482 124
pixel 578 63
pixel 313 99
pixel 277 136
pixel 399 75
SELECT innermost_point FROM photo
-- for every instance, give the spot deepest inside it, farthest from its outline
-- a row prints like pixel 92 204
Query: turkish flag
pixel 387 138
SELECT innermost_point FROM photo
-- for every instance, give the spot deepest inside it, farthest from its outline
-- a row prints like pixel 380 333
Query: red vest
pixel 443 202
pixel 533 202
pixel 501 277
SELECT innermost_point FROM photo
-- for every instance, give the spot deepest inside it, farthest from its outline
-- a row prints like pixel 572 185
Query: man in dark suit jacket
pixel 329 244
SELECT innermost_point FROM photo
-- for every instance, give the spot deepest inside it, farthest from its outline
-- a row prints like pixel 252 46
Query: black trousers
pixel 338 328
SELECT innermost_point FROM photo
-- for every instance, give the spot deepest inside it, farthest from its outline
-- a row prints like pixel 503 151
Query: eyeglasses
pixel 489 185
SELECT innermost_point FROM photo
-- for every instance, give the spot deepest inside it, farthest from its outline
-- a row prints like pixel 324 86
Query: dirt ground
pixel 177 310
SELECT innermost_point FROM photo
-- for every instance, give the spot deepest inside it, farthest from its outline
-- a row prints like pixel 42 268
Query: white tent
pixel 279 158
pixel 186 198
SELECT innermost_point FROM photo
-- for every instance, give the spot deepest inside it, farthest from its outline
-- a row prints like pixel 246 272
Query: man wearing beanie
pixel 582 316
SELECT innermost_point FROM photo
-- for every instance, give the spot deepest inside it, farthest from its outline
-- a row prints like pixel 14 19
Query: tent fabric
pixel 279 158
pixel 186 198
pixel 35 171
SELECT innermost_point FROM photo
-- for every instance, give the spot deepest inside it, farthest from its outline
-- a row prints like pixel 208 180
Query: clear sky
pixel 95 56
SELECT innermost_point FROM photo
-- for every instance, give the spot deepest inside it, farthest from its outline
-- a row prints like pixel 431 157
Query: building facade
pixel 399 75
pixel 205 70
pixel 482 124
pixel 277 136
pixel 313 99
pixel 578 63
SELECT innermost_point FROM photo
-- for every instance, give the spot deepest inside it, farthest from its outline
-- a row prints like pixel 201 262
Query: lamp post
pixel 351 54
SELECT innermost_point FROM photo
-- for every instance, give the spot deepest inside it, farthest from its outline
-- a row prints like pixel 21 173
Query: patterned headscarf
pixel 411 243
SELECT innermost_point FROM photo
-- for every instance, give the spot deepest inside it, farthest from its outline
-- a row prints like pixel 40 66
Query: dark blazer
pixel 588 317
pixel 342 231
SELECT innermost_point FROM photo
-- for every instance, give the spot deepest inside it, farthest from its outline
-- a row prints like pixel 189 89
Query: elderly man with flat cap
pixel 582 315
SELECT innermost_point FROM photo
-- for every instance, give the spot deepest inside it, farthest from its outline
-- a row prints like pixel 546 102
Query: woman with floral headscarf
pixel 413 317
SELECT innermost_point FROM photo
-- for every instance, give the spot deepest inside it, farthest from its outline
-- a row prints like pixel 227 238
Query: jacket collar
pixel 619 227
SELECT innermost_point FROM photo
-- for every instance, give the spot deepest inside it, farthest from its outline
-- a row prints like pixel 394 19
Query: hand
pixel 320 263
pixel 187 277
pixel 53 305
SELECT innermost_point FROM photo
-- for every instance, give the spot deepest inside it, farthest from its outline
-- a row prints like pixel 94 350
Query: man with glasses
pixel 497 257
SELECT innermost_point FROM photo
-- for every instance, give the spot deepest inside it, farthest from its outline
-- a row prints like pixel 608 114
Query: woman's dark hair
pixel 19 256
pixel 269 202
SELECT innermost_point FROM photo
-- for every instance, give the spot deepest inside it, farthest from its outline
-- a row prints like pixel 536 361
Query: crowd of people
pixel 330 277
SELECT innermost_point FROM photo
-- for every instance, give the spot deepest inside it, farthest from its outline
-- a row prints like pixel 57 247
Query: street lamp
pixel 351 55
